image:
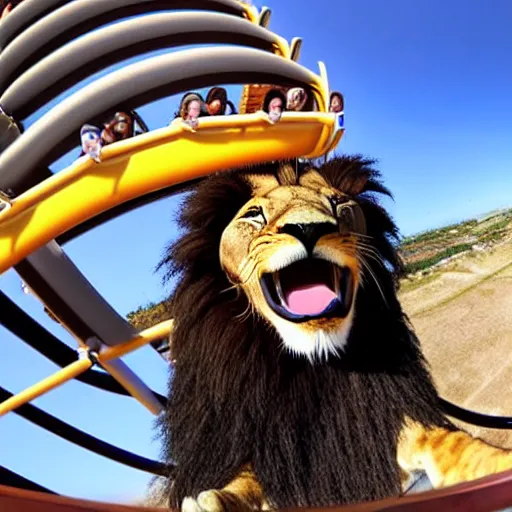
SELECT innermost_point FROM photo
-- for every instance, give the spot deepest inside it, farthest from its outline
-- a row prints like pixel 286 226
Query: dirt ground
pixel 463 317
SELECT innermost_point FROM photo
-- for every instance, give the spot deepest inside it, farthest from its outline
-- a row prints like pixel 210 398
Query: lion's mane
pixel 315 434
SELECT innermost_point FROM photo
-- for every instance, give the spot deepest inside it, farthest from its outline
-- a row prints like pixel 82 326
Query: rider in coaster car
pixel 336 102
pixel 119 128
pixel 274 104
pixel 217 101
pixel 296 99
pixel 191 108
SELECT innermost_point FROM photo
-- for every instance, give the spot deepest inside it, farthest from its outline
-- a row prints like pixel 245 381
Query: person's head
pixel 216 101
pixel 276 104
pixel 296 99
pixel 191 106
pixel 275 101
pixel 193 109
pixel 89 137
pixel 336 103
pixel 122 125
pixel 91 141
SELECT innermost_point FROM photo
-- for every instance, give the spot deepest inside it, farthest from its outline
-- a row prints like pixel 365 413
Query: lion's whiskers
pixel 229 288
pixel 246 313
pixel 362 254
pixel 369 250
pixel 249 263
pixel 372 255
pixel 247 268
pixel 361 235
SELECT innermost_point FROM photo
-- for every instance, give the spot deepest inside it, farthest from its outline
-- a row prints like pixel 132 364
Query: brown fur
pixel 317 433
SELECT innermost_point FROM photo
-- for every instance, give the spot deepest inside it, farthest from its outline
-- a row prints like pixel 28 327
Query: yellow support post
pixel 158 331
pixel 78 367
pixel 53 381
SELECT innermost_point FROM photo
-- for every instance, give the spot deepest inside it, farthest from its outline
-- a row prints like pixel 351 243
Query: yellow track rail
pixel 151 162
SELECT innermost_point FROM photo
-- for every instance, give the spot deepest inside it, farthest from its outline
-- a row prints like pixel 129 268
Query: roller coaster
pixel 48 47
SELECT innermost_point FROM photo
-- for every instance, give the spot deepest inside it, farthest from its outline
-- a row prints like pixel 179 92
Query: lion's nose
pixel 308 234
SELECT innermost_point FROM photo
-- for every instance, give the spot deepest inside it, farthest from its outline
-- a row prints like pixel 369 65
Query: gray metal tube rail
pixel 80 17
pixel 81 58
pixel 26 13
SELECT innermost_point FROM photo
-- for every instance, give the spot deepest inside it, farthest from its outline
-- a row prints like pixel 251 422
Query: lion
pixel 298 379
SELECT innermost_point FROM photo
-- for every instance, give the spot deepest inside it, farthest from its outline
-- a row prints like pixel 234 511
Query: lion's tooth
pixel 277 284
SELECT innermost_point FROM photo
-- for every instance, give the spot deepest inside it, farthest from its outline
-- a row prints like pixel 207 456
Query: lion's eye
pixel 339 204
pixel 345 214
pixel 349 214
pixel 252 212
pixel 345 211
pixel 255 214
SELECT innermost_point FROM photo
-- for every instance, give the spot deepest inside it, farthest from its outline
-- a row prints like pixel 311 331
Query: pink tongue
pixel 310 299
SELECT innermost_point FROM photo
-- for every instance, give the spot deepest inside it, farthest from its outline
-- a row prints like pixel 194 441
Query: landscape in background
pixel 458 296
pixel 432 249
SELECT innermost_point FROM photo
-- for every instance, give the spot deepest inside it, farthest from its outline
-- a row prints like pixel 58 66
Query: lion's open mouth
pixel 308 289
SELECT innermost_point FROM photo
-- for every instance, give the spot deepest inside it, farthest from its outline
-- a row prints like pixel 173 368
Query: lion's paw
pixel 215 501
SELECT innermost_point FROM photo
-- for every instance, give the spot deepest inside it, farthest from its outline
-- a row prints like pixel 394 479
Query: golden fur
pixel 251 247
pixel 345 394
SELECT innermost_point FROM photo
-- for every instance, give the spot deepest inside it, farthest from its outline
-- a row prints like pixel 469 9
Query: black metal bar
pixel 138 119
pixel 476 418
pixel 12 479
pixel 93 444
pixel 22 325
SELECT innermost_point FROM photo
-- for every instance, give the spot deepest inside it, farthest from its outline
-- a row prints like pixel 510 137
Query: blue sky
pixel 427 92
